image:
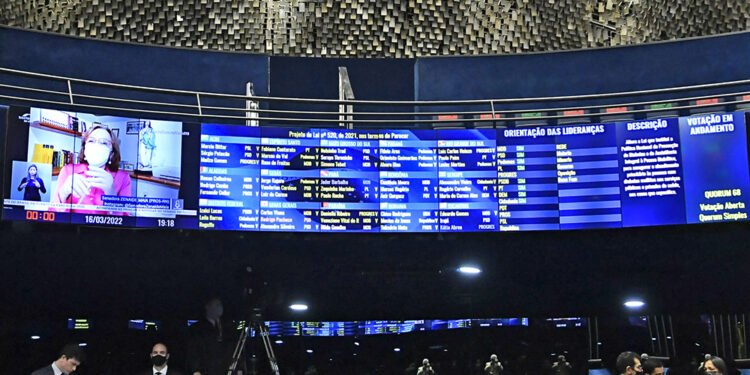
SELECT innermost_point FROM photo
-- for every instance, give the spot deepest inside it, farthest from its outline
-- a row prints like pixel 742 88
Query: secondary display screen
pixel 104 170
pixel 82 168
pixel 380 327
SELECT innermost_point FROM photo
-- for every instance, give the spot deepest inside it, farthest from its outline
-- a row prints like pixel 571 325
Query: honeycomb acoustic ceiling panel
pixel 385 28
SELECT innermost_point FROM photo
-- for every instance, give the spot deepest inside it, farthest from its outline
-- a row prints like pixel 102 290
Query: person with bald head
pixel 426 368
pixel 159 358
pixel 561 367
pixel 493 367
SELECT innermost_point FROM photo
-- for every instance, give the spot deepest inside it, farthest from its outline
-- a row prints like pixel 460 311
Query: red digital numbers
pixel 45 216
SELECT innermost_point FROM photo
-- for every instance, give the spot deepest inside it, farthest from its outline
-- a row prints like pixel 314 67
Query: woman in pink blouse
pixel 97 173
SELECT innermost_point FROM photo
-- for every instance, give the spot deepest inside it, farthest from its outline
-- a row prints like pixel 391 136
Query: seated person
pixel 96 174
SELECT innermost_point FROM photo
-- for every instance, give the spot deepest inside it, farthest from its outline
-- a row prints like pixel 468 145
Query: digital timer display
pixel 40 216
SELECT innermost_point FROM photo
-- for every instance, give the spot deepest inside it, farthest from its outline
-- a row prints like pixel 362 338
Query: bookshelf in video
pixel 81 168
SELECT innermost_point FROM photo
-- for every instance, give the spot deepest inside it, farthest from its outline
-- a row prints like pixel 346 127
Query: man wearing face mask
pixel 426 368
pixel 561 367
pixel 97 173
pixel 493 367
pixel 159 358
pixel 653 367
pixel 629 363
pixel 212 342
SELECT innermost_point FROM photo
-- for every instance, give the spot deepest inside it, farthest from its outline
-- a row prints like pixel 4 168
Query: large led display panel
pixel 104 170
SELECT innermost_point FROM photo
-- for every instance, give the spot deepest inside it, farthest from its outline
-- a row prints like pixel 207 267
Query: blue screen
pixel 380 327
pixel 289 176
pixel 500 322
pixel 714 149
pixel 625 174
pixel 527 181
pixel 467 180
pixel 377 327
pixel 229 177
pixel 349 181
pixel 559 178
pixel 408 181
pixel 651 168
pixel 325 329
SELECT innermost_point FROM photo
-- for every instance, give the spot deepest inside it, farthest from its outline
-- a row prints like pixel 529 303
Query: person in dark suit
pixel 159 359
pixel 426 368
pixel 71 356
pixel 562 367
pixel 31 185
pixel 212 342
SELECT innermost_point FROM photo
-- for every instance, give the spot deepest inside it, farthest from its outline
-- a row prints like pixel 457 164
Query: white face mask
pixel 218 311
pixel 97 155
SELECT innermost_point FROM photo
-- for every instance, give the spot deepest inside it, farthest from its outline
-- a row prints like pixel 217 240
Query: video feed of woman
pixel 82 168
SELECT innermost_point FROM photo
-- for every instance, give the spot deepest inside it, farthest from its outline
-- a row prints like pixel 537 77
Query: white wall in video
pixel 158 146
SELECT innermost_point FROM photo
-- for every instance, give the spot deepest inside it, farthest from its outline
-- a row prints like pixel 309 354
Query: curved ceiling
pixel 389 28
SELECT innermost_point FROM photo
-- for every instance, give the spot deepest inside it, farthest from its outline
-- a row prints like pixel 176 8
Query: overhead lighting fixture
pixel 634 304
pixel 35 337
pixel 396 350
pixel 279 342
pixel 469 270
pixel 298 307
pixel 309 351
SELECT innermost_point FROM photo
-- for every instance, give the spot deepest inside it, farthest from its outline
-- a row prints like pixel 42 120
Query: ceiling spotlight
pixel 298 307
pixel 634 304
pixel 309 351
pixel 35 337
pixel 279 342
pixel 469 270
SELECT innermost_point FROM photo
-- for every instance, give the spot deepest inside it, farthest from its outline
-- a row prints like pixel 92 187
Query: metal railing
pixel 194 104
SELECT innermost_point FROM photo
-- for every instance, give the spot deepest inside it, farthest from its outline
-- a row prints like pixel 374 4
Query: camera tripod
pixel 262 331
